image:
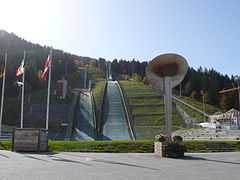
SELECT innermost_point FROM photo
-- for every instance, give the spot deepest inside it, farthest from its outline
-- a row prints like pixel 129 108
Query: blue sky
pixel 206 32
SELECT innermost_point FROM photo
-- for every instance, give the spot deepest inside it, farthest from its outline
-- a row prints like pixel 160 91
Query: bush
pixel 5 145
pixel 160 138
pixel 132 146
pixel 102 146
pixel 177 139
pixel 145 81
pixel 136 77
pixel 212 146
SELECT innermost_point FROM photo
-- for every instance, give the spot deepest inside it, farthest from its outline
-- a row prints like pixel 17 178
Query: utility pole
pixel 23 87
pixel 238 123
pixel 168 107
pixel 49 87
pixel 203 104
pixel 180 90
pixel 3 89
pixel 85 78
pixel 204 109
pixel 237 78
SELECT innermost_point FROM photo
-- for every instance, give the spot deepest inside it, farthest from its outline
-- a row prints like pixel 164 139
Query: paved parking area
pixel 71 166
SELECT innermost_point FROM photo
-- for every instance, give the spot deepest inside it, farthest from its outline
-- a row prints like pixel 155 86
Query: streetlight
pixel 237 79
pixel 203 104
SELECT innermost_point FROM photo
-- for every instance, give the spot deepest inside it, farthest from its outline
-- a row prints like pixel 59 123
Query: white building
pixel 228 120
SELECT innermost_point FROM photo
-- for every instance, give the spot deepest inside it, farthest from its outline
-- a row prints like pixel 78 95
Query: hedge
pixel 132 146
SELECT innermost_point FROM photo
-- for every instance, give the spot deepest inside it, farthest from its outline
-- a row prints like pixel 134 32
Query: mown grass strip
pixel 102 146
pixel 5 145
pixel 212 146
pixel 133 146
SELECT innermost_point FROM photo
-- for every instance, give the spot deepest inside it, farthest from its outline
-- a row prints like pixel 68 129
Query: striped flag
pixel 47 64
pixel 2 73
pixel 20 69
pixel 47 71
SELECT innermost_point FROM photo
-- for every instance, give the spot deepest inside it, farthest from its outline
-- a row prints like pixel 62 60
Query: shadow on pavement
pixel 69 161
pixel 39 153
pixel 126 164
pixel 5 156
pixel 210 160
pixel 32 157
pixel 108 162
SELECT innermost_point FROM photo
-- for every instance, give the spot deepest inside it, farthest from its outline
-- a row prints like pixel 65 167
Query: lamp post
pixel 237 79
pixel 203 104
pixel 180 89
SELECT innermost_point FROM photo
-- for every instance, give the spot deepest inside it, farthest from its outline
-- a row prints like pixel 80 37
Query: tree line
pixel 64 65
pixel 196 84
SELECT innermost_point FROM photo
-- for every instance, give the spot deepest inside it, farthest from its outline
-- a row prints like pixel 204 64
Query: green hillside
pixel 209 109
pixel 147 109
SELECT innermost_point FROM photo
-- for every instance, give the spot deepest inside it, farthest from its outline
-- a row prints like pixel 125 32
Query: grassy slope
pixel 209 108
pixel 134 88
pixel 98 91
pixel 147 127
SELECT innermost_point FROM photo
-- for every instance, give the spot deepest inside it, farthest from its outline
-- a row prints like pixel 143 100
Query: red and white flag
pixel 20 69
pixel 47 64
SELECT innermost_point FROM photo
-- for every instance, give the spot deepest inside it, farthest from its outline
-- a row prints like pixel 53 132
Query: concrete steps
pixel 145 97
pixel 146 105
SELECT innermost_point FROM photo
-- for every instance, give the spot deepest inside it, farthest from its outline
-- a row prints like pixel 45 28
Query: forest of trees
pixel 197 82
pixel 63 63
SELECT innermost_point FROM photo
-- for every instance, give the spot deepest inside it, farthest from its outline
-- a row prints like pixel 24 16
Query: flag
pixel 19 83
pixel 2 73
pixel 47 71
pixel 20 69
pixel 47 64
pixel 39 74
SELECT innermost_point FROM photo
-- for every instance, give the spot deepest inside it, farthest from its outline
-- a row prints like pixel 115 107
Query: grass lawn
pixel 98 92
pixel 209 108
pixel 134 88
pixel 146 146
pixel 192 113
pixel 145 101
pixel 146 127
pixel 95 146
pixel 212 146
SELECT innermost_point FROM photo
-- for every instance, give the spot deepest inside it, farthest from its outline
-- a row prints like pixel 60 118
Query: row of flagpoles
pixel 21 72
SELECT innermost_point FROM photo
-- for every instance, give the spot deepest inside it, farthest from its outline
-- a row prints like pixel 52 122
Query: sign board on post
pixel 29 140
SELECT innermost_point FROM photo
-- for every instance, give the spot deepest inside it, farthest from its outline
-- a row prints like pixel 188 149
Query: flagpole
pixel 23 82
pixel 49 88
pixel 3 91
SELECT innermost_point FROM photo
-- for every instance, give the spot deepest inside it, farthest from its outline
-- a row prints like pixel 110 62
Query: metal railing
pixel 190 106
pixel 127 113
pixel 93 110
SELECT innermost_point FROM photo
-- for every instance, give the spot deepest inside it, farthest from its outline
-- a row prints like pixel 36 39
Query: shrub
pixel 160 138
pixel 177 139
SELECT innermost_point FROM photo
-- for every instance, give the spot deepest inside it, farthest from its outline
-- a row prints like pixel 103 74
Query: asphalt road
pixel 71 166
